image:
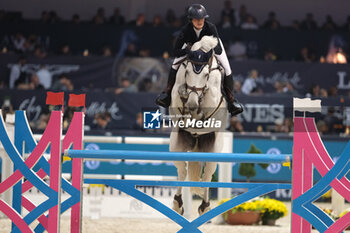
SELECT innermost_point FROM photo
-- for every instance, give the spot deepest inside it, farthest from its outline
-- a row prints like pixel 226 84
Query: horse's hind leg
pixel 209 170
pixel 181 172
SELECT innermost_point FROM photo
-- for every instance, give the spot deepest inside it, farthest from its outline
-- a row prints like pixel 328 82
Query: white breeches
pixel 222 58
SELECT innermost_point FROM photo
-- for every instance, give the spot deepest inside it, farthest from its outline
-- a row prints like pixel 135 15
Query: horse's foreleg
pixel 181 176
pixel 209 170
pixel 194 174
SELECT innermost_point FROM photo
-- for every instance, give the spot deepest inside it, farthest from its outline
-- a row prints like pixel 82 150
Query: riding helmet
pixel 197 11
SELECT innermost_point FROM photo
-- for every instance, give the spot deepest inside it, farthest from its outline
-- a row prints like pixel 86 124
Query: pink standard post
pixel 323 161
pixel 74 136
pixel 309 151
pixel 55 133
pixel 302 172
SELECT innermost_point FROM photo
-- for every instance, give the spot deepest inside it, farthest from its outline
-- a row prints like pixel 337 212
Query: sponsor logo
pixel 274 168
pixel 92 164
pixel 156 120
pixel 151 120
pixel 192 123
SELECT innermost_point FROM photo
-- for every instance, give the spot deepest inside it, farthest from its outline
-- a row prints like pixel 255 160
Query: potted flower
pixel 272 210
pixel 247 213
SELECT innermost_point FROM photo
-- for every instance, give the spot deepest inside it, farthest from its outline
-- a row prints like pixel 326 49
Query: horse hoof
pixel 178 205
pixel 203 208
pixel 179 210
pixel 201 212
pixel 182 211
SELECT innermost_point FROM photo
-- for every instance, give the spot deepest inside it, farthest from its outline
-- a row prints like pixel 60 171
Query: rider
pixel 192 32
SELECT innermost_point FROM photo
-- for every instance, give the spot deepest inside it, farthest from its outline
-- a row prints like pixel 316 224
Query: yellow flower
pixel 344 212
pixel 270 208
pixel 247 206
pixel 273 209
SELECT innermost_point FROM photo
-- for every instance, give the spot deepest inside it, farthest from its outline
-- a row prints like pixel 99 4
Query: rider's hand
pixel 188 48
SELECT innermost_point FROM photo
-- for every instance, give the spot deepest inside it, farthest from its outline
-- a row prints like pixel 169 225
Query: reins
pixel 200 89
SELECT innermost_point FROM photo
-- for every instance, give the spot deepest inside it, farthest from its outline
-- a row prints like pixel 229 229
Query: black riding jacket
pixel 189 36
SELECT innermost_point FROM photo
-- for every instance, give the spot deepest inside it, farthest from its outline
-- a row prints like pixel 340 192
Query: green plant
pixel 248 169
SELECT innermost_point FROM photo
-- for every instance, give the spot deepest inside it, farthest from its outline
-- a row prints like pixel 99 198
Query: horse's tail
pixel 194 174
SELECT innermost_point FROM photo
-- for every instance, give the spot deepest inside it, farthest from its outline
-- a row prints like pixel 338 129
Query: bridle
pixel 198 59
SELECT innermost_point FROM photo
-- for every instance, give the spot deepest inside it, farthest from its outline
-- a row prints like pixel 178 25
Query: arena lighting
pixel 86 53
pixel 340 58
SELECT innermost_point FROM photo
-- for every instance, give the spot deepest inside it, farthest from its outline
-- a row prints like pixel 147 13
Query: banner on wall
pixel 124 108
pixel 150 74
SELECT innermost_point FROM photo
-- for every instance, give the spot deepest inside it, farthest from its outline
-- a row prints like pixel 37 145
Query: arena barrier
pixel 308 151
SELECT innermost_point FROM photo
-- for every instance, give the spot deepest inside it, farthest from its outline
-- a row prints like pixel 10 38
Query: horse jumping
pixel 197 97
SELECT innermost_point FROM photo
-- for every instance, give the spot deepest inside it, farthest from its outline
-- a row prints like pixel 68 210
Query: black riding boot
pixel 233 106
pixel 164 99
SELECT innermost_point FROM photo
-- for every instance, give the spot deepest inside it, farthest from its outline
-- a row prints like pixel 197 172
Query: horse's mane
pixel 206 44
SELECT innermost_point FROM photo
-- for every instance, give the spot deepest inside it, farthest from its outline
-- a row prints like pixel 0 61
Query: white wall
pixel 287 10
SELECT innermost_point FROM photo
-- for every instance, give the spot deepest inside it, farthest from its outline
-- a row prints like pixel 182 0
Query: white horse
pixel 196 97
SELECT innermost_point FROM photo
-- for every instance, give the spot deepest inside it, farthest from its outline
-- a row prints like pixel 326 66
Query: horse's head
pixel 198 66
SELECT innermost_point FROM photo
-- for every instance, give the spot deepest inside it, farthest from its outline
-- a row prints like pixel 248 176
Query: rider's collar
pixel 197 31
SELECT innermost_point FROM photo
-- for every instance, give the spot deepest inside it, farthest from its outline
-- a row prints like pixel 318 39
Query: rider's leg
pixel 165 100
pixel 233 106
